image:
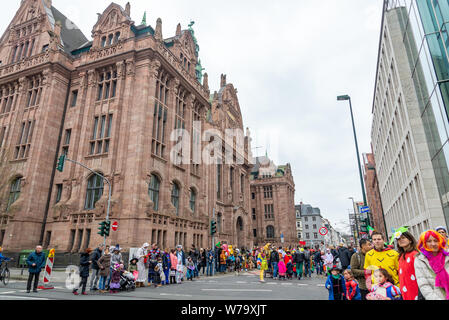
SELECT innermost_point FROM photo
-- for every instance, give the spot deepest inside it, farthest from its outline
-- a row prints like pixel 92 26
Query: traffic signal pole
pixel 213 244
pixel 107 181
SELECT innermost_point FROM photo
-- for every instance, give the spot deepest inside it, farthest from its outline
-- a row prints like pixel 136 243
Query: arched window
pixel 14 192
pixel 175 197
pixel 239 224
pixel 270 232
pixel 103 42
pixel 117 37
pixel 94 191
pixel 193 200
pixel 111 36
pixel 153 191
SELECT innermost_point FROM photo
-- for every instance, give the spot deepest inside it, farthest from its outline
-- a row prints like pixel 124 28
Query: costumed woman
pixel 141 265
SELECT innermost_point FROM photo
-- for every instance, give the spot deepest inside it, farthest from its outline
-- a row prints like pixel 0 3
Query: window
pixel 193 200
pixel 181 106
pixel 196 139
pixel 175 197
pixel 107 84
pixel 14 192
pixel 117 37
pixel 34 91
pixel 58 193
pixel 101 135
pixel 231 181
pixel 24 144
pixel 94 191
pixel 8 98
pixel 219 181
pixel 306 219
pixel 253 196
pixel 268 192
pixel 74 98
pixel 110 38
pixel 269 211
pixel 314 226
pixel 219 223
pixel 153 191
pixel 2 136
pixel 65 146
pixel 314 219
pixel 315 235
pixel 307 227
pixel 255 233
pixel 160 115
pixel 103 41
pixel 45 48
pixel 307 235
pixel 254 214
pixel 242 183
pixel 47 239
pixel 270 232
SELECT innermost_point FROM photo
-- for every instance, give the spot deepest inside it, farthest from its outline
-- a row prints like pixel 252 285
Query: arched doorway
pixel 239 232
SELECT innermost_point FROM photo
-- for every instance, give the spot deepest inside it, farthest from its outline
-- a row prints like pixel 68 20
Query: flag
pixel 371 230
pixel 218 245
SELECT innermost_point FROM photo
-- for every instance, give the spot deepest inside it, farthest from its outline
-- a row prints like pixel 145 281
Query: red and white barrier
pixel 48 270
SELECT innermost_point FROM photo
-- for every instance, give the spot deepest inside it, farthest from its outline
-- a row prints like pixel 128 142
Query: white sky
pixel 289 60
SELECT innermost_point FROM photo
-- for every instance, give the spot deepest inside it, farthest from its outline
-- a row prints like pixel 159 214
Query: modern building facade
pixel 312 221
pixel 408 182
pixel 113 104
pixel 373 194
pixel 273 203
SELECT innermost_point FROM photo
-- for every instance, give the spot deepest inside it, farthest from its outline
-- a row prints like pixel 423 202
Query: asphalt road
pixel 246 286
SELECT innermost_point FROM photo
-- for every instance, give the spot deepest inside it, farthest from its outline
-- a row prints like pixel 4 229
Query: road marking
pixel 175 294
pixel 242 282
pixel 286 284
pixel 28 298
pixel 302 284
pixel 8 292
pixel 240 290
pixel 320 285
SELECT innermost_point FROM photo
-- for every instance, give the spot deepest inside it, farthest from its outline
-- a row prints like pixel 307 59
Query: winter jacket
pixel 116 258
pixel 357 267
pixel 274 257
pixel 3 258
pixel 166 264
pixel 330 286
pixel 345 257
pixel 387 259
pixel 210 256
pixel 298 257
pixel 426 278
pixel 282 268
pixel 173 261
pixel 84 265
pixel 94 258
pixel 38 259
pixel 317 257
pixel 104 263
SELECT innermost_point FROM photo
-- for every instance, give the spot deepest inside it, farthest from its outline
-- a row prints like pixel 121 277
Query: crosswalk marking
pixel 8 292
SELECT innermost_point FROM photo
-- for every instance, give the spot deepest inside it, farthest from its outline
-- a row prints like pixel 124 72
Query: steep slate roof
pixel 71 36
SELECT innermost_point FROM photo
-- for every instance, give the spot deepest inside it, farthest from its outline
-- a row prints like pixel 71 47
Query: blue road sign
pixel 364 209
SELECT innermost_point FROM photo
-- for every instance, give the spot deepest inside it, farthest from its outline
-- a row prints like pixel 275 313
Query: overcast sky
pixel 289 59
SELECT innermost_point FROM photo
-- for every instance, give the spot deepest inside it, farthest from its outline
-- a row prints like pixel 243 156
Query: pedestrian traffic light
pixel 102 228
pixel 213 227
pixel 61 163
pixel 107 228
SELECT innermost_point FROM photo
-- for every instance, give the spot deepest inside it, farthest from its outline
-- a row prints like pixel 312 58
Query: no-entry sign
pixel 114 226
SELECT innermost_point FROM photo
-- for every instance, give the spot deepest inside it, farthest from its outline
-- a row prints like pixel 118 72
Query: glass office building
pixel 426 39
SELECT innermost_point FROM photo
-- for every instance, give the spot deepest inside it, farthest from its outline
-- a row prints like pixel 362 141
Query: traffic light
pixel 61 163
pixel 213 227
pixel 107 228
pixel 102 228
pixel 364 225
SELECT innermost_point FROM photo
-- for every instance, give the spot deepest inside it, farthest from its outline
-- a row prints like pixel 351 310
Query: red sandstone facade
pixel 373 193
pixel 111 104
pixel 273 203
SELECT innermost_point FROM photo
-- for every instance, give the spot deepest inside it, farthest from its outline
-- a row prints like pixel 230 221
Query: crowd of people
pixel 416 270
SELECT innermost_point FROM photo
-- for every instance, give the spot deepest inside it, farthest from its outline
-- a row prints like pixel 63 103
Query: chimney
pixel 158 32
pixel 223 81
pixel 178 30
pixel 128 9
pixel 206 81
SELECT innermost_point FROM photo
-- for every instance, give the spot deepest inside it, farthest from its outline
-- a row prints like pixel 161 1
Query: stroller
pixel 127 281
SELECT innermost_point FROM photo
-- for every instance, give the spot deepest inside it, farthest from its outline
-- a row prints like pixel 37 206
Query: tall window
pixel 219 223
pixel 24 144
pixel 58 193
pixel 193 200
pixel 153 190
pixel 242 183
pixel 107 84
pixel 160 115
pixel 101 135
pixel 270 232
pixel 196 139
pixel 74 98
pixel 14 192
pixel 8 98
pixel 117 37
pixel 269 211
pixel 34 91
pixel 231 181
pixel 65 146
pixel 219 167
pixel 94 191
pixel 175 197
pixel 2 136
pixel 268 192
pixel 180 123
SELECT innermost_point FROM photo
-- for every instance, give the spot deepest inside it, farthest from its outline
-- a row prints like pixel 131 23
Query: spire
pixel 178 30
pixel 144 19
pixel 158 32
pixel 128 9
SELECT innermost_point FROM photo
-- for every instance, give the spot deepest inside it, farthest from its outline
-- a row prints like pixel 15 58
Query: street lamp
pixel 345 98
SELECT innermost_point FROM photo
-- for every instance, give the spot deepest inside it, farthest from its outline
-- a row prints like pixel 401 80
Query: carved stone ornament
pixel 154 68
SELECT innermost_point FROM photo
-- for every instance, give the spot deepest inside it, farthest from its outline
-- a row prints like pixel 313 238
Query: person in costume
pixel 352 286
pixel 357 266
pixel 263 262
pixel 407 252
pixel 335 284
pixel 114 286
pixel 432 266
pixel 282 269
pixel 173 266
pixel 384 288
pixel 381 257
pixel 141 255
pixel 328 260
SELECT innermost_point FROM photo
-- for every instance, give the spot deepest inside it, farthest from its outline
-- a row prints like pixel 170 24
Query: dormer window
pixel 103 42
pixel 110 39
pixel 117 37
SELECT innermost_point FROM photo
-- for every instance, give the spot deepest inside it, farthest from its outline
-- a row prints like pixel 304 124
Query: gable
pixel 111 19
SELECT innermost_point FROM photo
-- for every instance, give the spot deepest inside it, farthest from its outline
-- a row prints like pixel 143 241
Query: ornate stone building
pixel 112 104
pixel 273 203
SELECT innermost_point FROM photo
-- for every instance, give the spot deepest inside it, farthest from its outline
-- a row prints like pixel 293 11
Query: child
pixel 282 269
pixel 160 276
pixel 384 289
pixel 289 270
pixel 352 286
pixel 190 269
pixel 336 285
pixel 132 268
pixel 114 286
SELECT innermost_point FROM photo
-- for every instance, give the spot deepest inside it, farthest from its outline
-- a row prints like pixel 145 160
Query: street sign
pixel 364 209
pixel 282 238
pixel 323 231
pixel 114 226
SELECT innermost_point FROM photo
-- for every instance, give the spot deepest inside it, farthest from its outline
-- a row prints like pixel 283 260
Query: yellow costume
pixel 387 259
